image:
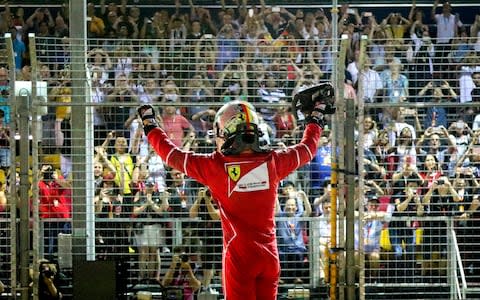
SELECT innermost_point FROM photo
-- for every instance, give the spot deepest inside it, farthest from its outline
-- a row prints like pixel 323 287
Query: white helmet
pixel 237 123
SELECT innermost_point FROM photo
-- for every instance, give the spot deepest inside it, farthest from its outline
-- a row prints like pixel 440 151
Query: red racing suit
pixel 245 188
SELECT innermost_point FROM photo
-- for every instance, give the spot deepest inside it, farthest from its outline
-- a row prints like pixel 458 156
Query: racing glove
pixel 147 114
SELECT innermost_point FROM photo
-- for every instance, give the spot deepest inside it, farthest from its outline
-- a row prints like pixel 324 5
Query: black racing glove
pixel 315 102
pixel 147 113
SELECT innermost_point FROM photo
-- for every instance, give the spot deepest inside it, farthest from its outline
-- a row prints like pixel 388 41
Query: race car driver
pixel 243 178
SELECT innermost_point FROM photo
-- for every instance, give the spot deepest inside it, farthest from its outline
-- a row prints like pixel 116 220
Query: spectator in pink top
pixel 175 125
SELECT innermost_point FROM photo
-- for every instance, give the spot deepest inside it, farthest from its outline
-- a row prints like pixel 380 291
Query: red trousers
pixel 251 270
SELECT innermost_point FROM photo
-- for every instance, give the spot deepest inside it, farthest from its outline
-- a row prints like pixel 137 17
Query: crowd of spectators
pixel 188 61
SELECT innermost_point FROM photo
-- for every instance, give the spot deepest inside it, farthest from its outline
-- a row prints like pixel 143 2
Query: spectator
pixel 111 237
pixel 271 94
pixel 430 171
pixel 284 120
pixel 62 94
pixel 48 281
pixel 180 195
pixel 5 152
pixel 98 94
pixel 441 199
pixel 422 55
pixel 180 281
pixel 54 207
pixel 475 33
pixel 395 87
pixel 228 47
pixel 290 234
pixel 32 24
pixel 209 232
pixel 149 235
pixel 320 166
pixel 4 92
pixel 404 149
pixel 19 48
pixel 461 134
pixel 447 30
pixel 407 201
pixel 370 131
pixel 61 27
pixel 175 125
pixel 123 163
pixel 434 146
pixel 371 83
pixel 232 83
pixel 436 116
pixel 324 232
pixel 100 59
pixel 95 26
pixel 120 117
pixel 198 90
pixel 373 225
pixel 396 26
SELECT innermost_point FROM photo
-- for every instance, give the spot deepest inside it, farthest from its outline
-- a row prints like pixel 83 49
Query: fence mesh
pixel 417 131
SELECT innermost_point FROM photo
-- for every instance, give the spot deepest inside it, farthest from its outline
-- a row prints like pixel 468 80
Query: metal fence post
pixel 24 235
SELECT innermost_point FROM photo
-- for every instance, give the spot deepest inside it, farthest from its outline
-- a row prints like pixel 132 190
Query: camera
pixel 441 181
pixel 47 270
pixel 48 173
pixel 183 258
pixel 207 193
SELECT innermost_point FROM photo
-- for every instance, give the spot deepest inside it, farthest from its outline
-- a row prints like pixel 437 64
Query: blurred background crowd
pixel 419 161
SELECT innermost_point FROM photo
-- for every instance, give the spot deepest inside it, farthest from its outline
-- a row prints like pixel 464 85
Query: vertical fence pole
pixel 24 234
pixel 35 163
pixel 350 200
pixel 360 155
pixel 82 163
pixel 13 179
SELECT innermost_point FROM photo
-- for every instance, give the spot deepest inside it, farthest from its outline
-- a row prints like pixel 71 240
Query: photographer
pixel 47 289
pixel 180 281
pixel 54 198
pixel 209 231
pixel 441 199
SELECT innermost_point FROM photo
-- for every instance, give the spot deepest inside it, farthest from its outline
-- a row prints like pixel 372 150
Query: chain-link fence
pixel 90 194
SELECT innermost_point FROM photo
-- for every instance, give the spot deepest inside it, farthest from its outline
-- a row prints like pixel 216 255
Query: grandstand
pixel 395 177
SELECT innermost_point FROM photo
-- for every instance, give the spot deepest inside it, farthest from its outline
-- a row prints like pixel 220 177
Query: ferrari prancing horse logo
pixel 233 172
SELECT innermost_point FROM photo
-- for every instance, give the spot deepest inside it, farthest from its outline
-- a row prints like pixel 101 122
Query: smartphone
pixel 367 14
pixel 276 9
pixel 351 11
pixel 208 36
pixel 250 12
